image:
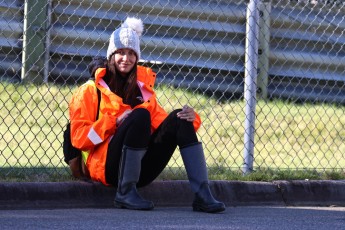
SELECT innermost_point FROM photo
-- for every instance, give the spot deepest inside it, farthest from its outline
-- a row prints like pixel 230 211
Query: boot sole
pixel 121 205
pixel 197 208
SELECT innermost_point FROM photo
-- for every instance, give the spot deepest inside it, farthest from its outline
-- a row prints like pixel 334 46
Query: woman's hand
pixel 187 113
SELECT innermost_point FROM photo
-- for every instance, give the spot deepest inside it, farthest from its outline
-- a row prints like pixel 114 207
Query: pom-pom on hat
pixel 127 36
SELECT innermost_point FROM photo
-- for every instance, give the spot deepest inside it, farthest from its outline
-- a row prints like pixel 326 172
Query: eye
pixel 131 53
pixel 120 52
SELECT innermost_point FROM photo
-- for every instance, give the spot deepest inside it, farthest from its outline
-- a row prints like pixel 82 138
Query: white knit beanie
pixel 127 36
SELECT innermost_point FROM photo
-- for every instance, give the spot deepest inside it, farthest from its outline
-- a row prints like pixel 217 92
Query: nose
pixel 125 57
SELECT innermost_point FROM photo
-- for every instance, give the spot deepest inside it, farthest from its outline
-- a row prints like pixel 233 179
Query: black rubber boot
pixel 127 195
pixel 205 202
pixel 195 164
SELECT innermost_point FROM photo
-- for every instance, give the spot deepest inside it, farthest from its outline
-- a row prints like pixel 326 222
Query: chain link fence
pixel 199 50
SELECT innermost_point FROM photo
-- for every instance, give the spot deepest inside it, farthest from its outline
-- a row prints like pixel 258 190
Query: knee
pixel 142 115
pixel 173 115
pixel 174 112
pixel 141 119
pixel 178 120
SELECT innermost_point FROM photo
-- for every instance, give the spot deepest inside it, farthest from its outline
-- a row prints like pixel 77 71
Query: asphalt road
pixel 263 217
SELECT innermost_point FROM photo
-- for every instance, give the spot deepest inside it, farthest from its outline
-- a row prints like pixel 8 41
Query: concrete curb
pixel 315 193
pixel 80 194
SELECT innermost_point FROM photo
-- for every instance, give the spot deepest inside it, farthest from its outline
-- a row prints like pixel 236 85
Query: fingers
pixel 187 113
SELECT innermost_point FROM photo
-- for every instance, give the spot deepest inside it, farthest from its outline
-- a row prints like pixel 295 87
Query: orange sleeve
pixel 85 131
pixel 197 122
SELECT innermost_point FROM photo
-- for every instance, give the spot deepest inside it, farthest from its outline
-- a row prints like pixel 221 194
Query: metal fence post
pixel 34 39
pixel 251 60
pixel 264 52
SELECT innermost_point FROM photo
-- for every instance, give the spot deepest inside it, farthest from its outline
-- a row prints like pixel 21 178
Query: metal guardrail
pixel 305 43
pixel 11 27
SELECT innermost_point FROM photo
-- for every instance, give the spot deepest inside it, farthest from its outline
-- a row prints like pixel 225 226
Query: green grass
pixel 292 141
pixel 61 174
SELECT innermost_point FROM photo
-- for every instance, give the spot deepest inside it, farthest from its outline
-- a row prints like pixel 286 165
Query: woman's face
pixel 125 59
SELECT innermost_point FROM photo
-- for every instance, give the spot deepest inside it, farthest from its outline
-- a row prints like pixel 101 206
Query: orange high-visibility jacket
pixel 93 136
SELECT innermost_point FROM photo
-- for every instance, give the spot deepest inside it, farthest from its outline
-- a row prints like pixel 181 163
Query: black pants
pixel 135 132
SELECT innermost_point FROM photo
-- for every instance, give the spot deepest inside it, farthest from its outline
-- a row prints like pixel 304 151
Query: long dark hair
pixel 125 87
